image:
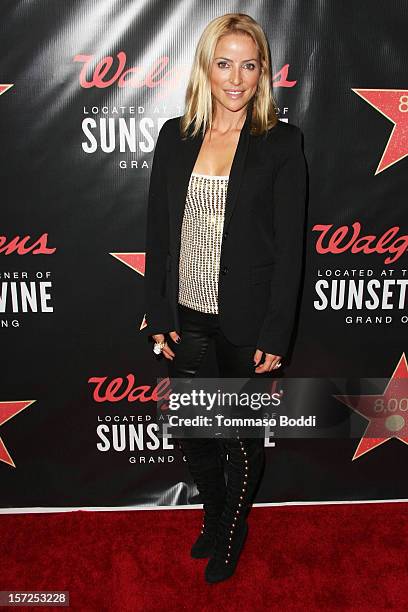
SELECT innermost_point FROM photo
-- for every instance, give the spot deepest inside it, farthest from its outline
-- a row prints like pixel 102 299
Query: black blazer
pixel 262 245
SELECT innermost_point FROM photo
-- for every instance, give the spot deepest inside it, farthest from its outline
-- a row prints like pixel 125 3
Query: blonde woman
pixel 224 254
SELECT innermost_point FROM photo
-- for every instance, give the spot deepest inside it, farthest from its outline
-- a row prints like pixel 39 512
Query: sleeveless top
pixel 201 237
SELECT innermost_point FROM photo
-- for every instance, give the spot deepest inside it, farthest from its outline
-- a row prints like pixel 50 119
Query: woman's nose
pixel 236 76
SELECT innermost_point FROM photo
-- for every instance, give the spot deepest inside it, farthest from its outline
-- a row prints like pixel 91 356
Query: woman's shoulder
pixel 171 126
pixel 167 136
pixel 285 132
pixel 284 139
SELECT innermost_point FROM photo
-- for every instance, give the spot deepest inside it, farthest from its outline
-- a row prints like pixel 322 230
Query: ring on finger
pixel 158 347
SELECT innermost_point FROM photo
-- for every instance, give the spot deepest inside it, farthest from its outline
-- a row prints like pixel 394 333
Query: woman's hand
pixel 271 361
pixel 167 352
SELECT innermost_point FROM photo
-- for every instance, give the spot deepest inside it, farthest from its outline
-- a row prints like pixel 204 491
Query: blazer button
pixel 225 235
pixel 224 270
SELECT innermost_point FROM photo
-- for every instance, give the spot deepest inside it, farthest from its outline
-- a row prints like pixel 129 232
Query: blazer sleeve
pixel 289 197
pixel 158 312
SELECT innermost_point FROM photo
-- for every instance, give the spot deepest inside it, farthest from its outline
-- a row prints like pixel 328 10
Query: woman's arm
pixel 158 314
pixel 289 195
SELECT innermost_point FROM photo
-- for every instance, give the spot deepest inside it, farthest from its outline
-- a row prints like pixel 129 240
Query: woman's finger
pixel 175 336
pixel 158 337
pixel 167 352
pixel 269 364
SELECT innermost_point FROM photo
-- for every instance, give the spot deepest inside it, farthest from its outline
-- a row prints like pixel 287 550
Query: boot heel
pixel 204 546
pixel 244 468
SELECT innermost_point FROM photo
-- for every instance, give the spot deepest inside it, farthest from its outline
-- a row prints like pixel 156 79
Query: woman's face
pixel 236 67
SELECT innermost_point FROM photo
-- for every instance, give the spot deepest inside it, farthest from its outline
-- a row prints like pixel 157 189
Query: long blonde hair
pixel 198 113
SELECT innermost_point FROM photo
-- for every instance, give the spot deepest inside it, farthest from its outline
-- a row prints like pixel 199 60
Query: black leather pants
pixel 197 330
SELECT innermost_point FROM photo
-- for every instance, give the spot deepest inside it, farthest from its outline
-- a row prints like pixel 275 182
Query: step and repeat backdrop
pixel 85 88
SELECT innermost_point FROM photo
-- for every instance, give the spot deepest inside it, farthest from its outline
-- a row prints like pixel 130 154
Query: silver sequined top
pixel 201 236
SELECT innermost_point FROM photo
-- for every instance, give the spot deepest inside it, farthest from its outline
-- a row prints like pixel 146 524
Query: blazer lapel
pixel 237 169
pixel 190 149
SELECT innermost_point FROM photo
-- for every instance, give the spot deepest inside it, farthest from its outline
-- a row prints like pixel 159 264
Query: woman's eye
pixel 223 64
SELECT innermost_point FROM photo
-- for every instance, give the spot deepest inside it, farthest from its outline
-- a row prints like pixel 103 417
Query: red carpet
pixel 331 557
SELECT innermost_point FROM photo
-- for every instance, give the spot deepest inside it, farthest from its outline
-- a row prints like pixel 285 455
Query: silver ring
pixel 158 347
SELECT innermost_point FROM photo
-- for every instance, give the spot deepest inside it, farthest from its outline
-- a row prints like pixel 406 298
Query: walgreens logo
pixel 345 238
pixel 114 71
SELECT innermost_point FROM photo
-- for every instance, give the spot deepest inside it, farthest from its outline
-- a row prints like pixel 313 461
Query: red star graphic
pixel 393 104
pixel 136 261
pixel 4 87
pixel 7 411
pixel 387 413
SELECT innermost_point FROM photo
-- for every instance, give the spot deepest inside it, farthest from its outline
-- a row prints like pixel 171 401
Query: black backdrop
pixel 76 78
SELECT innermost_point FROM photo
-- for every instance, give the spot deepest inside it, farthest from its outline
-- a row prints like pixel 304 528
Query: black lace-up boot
pixel 244 469
pixel 206 466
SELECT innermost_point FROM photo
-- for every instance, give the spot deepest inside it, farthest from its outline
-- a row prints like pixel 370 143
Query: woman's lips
pixel 233 94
